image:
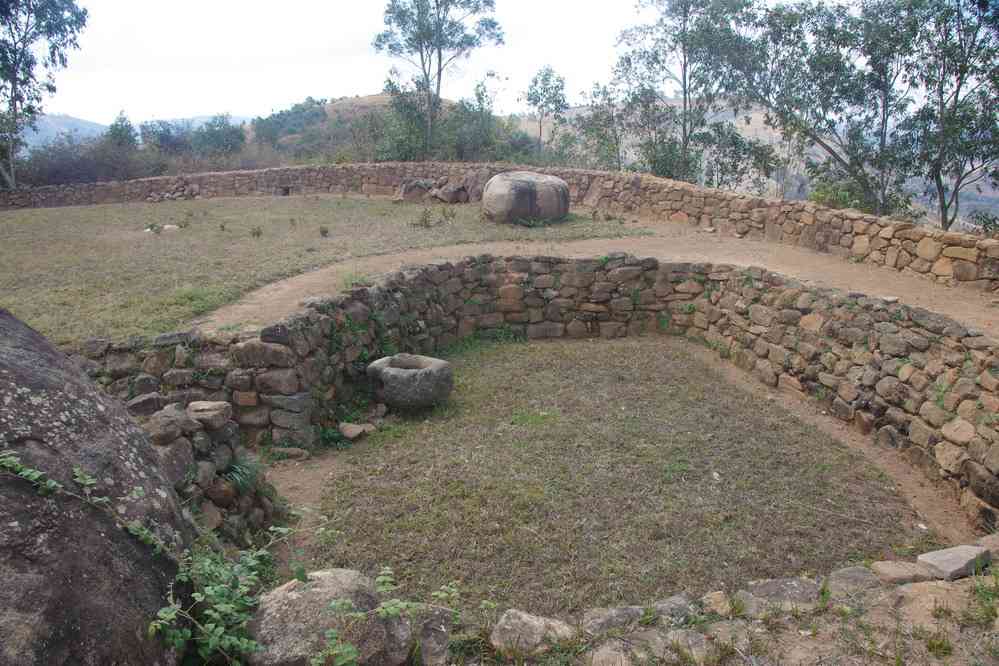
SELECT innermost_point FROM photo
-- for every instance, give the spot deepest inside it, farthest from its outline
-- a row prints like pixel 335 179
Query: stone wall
pixel 951 258
pixel 916 381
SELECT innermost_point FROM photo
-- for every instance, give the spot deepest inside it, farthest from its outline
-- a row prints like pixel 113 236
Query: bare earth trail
pixel 667 242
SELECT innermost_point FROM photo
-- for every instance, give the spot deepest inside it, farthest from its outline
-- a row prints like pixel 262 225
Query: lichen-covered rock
pixel 291 622
pixel 78 589
pixel 523 195
pixel 523 634
pixel 409 381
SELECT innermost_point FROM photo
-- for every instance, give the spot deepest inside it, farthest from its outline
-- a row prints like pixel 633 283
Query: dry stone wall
pixel 947 257
pixel 916 381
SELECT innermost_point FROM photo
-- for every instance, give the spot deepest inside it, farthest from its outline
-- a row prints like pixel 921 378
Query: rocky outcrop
pixel 523 196
pixel 77 587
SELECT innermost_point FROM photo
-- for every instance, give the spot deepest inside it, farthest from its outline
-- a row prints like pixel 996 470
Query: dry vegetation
pixel 80 272
pixel 568 475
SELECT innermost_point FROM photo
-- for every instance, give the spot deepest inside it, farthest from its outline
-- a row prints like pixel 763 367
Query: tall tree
pixel 432 35
pixel 546 95
pixel 841 80
pixel 35 38
pixel 679 61
pixel 602 126
pixel 956 128
pixel 121 134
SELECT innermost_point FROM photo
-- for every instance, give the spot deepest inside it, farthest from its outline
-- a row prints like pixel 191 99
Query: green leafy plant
pixel 224 597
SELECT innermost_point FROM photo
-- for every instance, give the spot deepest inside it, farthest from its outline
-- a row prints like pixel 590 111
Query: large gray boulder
pixel 77 588
pixel 409 381
pixel 291 622
pixel 519 196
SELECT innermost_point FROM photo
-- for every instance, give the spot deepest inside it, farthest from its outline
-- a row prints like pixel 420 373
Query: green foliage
pixel 122 134
pixel 166 137
pixel 294 120
pixel 44 486
pixel 955 128
pixel 218 137
pixel 335 652
pixel 987 222
pixel 223 601
pixel 332 438
pixel 35 41
pixel 676 77
pixel 432 36
pixel 546 95
pixel 603 126
pixel 244 474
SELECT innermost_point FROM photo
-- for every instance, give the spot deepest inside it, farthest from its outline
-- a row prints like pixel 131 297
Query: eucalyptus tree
pixel 678 62
pixel 546 95
pixel 841 79
pixel 431 36
pixel 36 37
pixel 602 126
pixel 955 130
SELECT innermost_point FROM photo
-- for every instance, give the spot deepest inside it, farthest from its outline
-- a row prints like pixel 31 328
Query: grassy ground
pixel 568 475
pixel 90 271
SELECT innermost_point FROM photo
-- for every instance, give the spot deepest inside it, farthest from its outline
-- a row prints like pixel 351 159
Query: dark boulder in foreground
pixel 77 588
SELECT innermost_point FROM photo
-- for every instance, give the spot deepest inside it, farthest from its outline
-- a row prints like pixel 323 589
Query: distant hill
pixel 50 126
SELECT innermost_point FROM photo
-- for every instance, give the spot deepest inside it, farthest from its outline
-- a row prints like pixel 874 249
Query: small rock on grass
pixel 354 431
pixel 851 580
pixel 717 603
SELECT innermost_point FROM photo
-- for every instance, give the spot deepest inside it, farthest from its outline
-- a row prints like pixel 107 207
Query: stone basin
pixel 410 381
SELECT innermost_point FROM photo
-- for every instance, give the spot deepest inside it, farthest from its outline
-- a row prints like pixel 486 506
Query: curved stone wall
pixel 916 381
pixel 951 258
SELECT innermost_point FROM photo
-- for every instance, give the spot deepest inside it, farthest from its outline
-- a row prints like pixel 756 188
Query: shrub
pixel 987 223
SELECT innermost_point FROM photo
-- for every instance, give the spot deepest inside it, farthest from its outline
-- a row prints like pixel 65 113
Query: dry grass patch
pixel 568 475
pixel 80 272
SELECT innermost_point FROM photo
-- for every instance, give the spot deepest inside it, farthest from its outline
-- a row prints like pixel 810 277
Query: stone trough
pixel 411 381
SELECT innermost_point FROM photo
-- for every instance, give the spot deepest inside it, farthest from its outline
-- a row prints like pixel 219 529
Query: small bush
pixel 987 223
pixel 324 232
pixel 257 232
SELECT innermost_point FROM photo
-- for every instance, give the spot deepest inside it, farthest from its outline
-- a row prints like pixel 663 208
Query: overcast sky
pixel 199 57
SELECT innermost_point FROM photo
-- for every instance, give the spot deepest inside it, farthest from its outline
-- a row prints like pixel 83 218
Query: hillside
pixel 51 126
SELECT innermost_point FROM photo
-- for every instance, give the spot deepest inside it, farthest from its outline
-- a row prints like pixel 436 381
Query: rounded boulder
pixel 78 588
pixel 409 381
pixel 524 196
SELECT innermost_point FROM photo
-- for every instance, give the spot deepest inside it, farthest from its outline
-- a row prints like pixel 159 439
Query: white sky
pixel 199 57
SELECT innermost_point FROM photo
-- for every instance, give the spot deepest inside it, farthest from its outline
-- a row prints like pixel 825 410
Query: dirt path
pixel 667 242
